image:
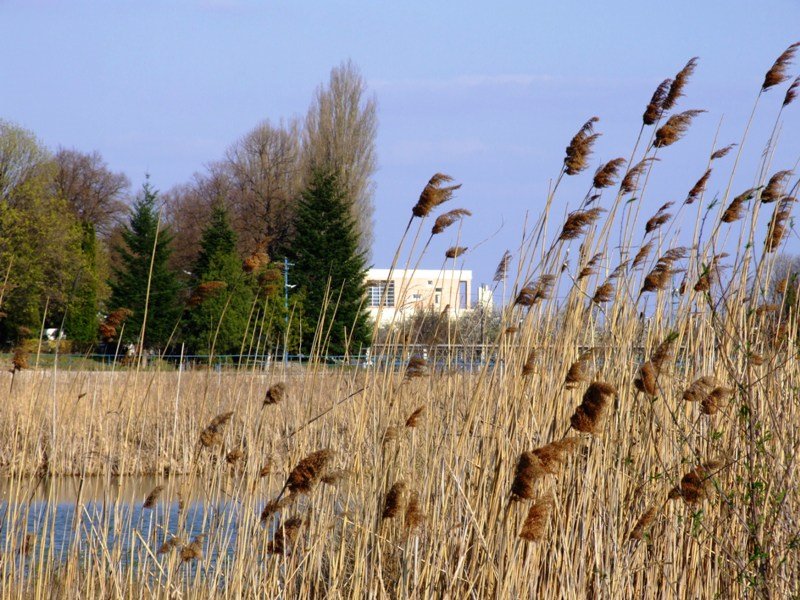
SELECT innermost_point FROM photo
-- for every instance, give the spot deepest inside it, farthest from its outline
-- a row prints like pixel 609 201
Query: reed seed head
pixel 275 394
pixel 535 524
pixel 606 175
pixel 777 73
pixel 630 183
pixel 699 188
pixel 578 221
pixel 152 497
pixel 434 194
pixel 677 85
pixel 455 251
pixel 415 417
pixel 696 484
pixel 305 475
pixel 791 93
pixel 285 536
pixel 735 209
pixel 774 189
pixel 590 414
pixel 675 127
pixel 395 501
pixel 644 523
pixel 580 148
pixel 655 108
pixel 205 291
pixel 447 219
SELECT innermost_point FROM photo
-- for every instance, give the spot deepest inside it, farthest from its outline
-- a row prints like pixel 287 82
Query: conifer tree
pixel 223 299
pixel 130 283
pixel 326 257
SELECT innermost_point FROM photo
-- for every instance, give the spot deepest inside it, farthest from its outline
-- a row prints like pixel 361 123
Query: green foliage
pixel 81 319
pixel 130 282
pixel 220 322
pixel 328 267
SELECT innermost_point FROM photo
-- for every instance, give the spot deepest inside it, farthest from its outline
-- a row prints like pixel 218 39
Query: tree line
pixel 200 264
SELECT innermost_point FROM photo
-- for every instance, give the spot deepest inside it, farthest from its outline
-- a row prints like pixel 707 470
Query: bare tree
pixel 263 174
pixel 95 193
pixel 22 158
pixel 339 135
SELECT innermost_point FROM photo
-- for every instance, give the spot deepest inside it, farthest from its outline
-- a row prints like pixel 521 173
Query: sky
pixel 488 92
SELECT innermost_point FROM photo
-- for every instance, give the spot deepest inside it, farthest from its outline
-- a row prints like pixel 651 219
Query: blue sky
pixel 488 92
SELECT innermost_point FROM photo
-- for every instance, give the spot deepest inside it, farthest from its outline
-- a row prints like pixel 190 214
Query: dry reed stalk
pixel 434 194
pixel 695 485
pixel 607 174
pixel 580 148
pixel 699 188
pixel 644 523
pixel 152 497
pixel 447 219
pixel 677 85
pixel 630 183
pixel 285 536
pixel 455 251
pixel 655 108
pixel 590 414
pixel 774 188
pixel 390 435
pixel 205 291
pixel 275 394
pixel 578 222
pixel 675 127
pixel 777 73
pixel 722 151
pixel 305 475
pixel 395 501
pixel 535 524
pixel 658 219
pixel 415 417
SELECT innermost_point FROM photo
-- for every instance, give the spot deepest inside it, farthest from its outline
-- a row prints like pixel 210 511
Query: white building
pixel 409 291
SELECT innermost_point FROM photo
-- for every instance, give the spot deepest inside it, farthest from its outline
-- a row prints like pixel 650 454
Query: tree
pixel 144 244
pixel 222 302
pixel 93 191
pixel 329 270
pixel 339 136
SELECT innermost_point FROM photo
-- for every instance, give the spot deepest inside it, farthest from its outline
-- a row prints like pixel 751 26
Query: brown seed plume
pixel 234 456
pixel 526 472
pixel 417 367
pixel 655 108
pixel 276 393
pixel 395 501
pixel 699 389
pixel 578 372
pixel 19 359
pixel 502 267
pixel 530 364
pixel 390 435
pixel 698 189
pixel 589 269
pixel 152 497
pixel 642 254
pixel 578 222
pixel 644 523
pixel 680 81
pixel 305 475
pixel 194 550
pixel 777 73
pixel 535 524
pixel 415 417
pixel 447 219
pixel 270 508
pixel 580 148
pixel 696 484
pixel 414 516
pixel 551 456
pixel 675 127
pixel 722 151
pixel 205 291
pixel 256 260
pixel 714 401
pixel 170 544
pixel 333 478
pixel 455 251
pixel 212 435
pixel 791 93
pixel 590 414
pixel 774 189
pixel 535 291
pixel 606 175
pixel 434 194
pixel 735 210
pixel 630 183
pixel 657 220
pixel 285 536
pixel 661 274
pixel 778 225
pixel 604 293
pixel 710 274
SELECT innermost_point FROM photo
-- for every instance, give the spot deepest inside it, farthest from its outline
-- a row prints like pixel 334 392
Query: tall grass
pixel 634 435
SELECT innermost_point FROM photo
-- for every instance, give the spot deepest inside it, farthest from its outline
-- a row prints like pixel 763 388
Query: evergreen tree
pixel 325 249
pixel 81 319
pixel 219 315
pixel 129 286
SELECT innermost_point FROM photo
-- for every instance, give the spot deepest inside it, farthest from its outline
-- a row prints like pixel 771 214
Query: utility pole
pixel 286 288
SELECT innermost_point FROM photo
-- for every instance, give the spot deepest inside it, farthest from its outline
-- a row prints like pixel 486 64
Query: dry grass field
pixel 601 453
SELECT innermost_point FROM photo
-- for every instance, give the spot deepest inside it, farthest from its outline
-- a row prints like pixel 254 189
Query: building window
pixel 375 291
pixel 437 297
pixel 463 296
